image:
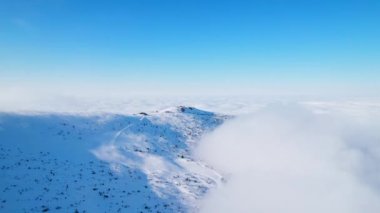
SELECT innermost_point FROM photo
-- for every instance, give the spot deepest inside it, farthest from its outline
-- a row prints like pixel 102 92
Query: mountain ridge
pixel 106 162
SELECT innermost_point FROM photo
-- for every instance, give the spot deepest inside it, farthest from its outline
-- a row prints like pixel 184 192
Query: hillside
pixel 104 162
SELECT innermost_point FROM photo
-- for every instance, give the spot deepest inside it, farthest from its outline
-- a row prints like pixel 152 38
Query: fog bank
pixel 287 158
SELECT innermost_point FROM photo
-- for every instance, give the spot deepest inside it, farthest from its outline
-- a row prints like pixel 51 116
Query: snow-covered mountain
pixel 104 163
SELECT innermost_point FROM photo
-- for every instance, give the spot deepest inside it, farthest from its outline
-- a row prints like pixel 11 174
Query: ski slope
pixel 104 162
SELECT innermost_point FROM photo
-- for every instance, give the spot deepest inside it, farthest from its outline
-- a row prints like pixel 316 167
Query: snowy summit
pixel 105 163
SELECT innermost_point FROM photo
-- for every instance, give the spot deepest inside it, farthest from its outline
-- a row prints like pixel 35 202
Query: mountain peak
pixel 134 163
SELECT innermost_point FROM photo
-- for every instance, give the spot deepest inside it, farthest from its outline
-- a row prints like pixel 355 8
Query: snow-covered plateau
pixel 55 162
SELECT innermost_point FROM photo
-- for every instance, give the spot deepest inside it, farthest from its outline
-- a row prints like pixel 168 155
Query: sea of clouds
pixel 296 158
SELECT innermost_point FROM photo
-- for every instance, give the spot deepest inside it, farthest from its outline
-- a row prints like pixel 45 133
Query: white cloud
pixel 289 159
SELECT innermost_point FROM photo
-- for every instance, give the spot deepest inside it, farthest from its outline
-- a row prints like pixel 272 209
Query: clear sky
pixel 192 46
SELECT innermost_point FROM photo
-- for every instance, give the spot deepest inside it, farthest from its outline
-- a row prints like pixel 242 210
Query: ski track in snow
pixel 104 163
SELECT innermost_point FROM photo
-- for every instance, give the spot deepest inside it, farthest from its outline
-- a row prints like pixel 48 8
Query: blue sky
pixel 193 45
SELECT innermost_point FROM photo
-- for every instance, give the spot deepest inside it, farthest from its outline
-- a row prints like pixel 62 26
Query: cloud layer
pixel 290 159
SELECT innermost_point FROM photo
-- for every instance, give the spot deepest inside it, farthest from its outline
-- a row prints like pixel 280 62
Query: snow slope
pixel 104 163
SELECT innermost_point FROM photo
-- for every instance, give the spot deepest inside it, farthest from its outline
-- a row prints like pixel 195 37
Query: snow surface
pixel 106 162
